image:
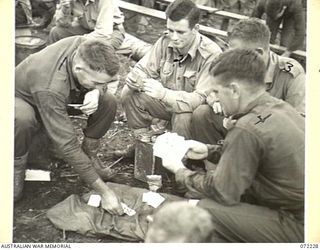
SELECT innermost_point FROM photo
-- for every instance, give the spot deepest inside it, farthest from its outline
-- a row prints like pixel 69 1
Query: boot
pixel 20 164
pixel 91 146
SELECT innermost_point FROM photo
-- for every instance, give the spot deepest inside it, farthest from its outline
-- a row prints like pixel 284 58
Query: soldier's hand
pixel 111 203
pixel 197 150
pixel 153 88
pixel 90 102
pixel 213 101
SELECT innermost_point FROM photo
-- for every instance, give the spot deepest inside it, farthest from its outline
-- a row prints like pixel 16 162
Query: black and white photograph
pixel 160 121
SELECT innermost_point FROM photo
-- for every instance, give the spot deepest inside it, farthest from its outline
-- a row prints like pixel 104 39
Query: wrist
pixel 163 94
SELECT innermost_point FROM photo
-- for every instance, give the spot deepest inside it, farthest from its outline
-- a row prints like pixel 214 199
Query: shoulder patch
pixel 290 66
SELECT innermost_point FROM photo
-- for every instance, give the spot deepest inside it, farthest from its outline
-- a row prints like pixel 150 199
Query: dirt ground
pixel 30 223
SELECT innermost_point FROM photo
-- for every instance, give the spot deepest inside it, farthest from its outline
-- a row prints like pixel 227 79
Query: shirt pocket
pixel 190 78
pixel 166 74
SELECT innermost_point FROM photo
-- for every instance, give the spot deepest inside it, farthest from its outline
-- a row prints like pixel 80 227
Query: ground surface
pixel 30 223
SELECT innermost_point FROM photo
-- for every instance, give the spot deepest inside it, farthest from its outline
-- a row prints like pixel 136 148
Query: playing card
pixel 127 210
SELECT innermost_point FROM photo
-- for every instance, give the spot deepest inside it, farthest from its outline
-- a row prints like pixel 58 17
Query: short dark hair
pixel 183 9
pixel 239 65
pixel 251 30
pixel 99 56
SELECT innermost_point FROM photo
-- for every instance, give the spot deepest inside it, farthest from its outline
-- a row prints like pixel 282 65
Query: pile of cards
pixel 170 145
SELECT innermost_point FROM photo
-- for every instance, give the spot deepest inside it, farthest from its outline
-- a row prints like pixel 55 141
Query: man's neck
pixel 246 103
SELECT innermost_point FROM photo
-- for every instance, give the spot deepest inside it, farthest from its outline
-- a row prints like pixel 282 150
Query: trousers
pixel 206 126
pixel 141 109
pixel 27 122
pixel 251 223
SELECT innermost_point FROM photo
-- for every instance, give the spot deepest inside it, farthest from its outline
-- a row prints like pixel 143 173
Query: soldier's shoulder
pixel 208 47
pixel 290 66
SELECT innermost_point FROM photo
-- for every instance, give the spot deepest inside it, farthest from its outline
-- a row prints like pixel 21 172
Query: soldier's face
pixel 181 35
pixel 228 97
pixel 89 78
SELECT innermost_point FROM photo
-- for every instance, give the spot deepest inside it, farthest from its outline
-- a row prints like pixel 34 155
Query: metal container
pixel 145 163
pixel 26 45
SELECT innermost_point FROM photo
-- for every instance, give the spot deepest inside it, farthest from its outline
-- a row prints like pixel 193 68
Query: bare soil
pixel 30 223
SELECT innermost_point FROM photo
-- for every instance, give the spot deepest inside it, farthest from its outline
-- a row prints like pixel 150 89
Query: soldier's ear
pixel 235 89
pixel 259 50
pixel 197 27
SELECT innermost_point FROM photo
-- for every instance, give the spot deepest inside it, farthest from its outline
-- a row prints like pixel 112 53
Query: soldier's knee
pixel 200 113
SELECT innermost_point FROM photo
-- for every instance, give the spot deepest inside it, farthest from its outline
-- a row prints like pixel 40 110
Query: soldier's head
pixel 238 76
pixel 182 22
pixel 179 222
pixel 95 64
pixel 251 33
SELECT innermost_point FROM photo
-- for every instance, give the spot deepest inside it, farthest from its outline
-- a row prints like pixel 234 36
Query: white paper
pixel 153 199
pixel 193 202
pixel 94 200
pixel 127 210
pixel 37 175
pixel 170 145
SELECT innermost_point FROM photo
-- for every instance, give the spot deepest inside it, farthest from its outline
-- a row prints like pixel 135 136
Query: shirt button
pixel 179 78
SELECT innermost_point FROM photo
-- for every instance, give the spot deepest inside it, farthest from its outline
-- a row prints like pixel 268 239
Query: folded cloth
pixel 74 214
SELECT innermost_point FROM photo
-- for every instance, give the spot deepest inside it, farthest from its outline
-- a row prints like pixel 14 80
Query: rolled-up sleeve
pixel 60 129
pixel 234 173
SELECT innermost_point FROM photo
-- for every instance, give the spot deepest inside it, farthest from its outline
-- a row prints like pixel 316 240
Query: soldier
pixel 256 191
pixel 284 79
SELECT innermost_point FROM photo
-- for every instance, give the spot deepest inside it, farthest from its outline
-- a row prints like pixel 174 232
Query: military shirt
pixel 285 79
pixel 187 80
pixel 263 155
pixel 45 81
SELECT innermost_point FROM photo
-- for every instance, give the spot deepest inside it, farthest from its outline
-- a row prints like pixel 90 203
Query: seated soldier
pixel 179 222
pixel 97 19
pixel 256 192
pixel 292 16
pixel 171 80
pixel 73 70
pixel 284 79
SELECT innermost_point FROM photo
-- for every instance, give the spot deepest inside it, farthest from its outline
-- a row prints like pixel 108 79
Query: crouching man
pixel 73 70
pixel 256 191
pixel 171 80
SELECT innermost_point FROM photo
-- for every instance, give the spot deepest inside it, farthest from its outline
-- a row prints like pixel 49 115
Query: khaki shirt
pixel 285 79
pixel 186 79
pixel 45 81
pixel 263 155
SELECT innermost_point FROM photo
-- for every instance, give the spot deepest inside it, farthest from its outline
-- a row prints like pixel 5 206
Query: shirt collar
pixel 273 61
pixel 259 100
pixel 73 83
pixel 194 46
